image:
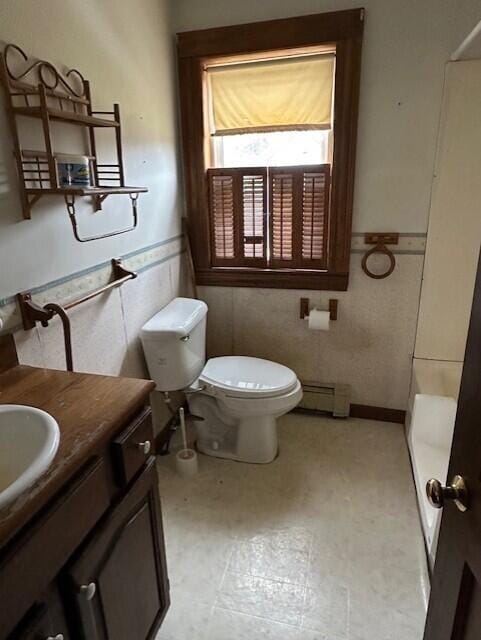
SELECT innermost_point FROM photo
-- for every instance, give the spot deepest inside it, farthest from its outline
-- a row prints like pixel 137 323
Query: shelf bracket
pixel 33 200
pixel 98 202
pixel 70 202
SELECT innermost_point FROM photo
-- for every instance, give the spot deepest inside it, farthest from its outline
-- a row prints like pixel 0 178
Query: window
pixel 277 148
pixel 269 113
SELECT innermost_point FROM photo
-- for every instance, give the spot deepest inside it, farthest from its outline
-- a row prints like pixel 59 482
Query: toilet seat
pixel 247 377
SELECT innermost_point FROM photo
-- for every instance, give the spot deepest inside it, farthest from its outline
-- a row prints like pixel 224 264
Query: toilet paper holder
pixel 304 308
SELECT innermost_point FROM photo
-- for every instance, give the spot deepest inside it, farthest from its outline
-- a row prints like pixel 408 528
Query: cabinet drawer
pixel 131 449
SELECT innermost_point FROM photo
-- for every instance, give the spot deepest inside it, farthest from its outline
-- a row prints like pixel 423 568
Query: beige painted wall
pixel 406 45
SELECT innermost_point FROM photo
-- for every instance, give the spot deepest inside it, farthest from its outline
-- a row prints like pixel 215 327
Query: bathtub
pixel 430 436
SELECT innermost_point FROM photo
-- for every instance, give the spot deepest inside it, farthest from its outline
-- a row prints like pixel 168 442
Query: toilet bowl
pixel 238 398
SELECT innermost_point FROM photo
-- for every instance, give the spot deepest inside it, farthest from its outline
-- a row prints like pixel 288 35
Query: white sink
pixel 29 440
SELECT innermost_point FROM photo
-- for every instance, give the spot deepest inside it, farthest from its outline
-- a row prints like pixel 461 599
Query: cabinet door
pixel 46 621
pixel 120 579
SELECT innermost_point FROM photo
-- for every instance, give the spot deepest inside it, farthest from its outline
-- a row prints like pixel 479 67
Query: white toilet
pixel 239 397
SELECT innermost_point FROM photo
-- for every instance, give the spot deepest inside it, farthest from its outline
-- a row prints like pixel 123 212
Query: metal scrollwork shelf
pixel 36 89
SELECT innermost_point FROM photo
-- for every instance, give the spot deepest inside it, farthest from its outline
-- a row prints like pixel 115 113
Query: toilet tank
pixel 174 343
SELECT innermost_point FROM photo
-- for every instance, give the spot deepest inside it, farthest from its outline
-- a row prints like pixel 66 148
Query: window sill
pixel 272 279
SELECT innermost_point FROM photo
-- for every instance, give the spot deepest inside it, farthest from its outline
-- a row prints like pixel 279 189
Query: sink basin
pixel 29 440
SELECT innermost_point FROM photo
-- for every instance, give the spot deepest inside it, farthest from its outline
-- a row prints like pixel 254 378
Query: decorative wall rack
pixel 40 91
pixel 33 313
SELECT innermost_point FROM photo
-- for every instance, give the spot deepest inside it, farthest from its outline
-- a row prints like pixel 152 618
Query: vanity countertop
pixel 89 409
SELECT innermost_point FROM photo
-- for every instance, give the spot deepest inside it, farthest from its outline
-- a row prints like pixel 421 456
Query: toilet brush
pixel 186 459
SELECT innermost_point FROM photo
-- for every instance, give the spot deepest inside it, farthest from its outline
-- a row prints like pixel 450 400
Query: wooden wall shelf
pixel 87 191
pixel 38 90
pixel 65 116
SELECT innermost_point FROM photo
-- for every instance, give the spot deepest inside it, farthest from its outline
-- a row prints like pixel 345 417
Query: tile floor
pixel 322 544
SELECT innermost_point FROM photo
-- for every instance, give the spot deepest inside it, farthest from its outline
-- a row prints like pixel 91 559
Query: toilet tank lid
pixel 178 318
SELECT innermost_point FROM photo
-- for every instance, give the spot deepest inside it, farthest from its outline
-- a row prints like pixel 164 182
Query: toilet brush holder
pixel 186 463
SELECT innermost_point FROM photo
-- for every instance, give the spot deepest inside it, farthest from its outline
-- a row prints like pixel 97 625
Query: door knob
pixel 456 491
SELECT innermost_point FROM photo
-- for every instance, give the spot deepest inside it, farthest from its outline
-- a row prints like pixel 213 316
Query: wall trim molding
pixel 88 279
pixel 383 414
pixel 410 243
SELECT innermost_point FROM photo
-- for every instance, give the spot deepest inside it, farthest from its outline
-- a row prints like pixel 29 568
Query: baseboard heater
pixel 326 398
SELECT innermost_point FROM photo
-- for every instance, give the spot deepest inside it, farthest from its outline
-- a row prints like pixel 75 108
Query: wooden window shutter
pixel 254 216
pixel 238 216
pixel 282 186
pixel 315 216
pixel 299 216
pixel 222 211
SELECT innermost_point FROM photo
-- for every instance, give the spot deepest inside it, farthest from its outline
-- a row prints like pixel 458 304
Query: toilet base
pixel 252 439
pixel 228 455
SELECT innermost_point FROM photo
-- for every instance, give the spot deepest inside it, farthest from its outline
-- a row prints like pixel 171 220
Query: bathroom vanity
pixel 82 552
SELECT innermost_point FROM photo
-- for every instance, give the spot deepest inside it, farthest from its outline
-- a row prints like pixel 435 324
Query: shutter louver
pixel 254 215
pixel 282 212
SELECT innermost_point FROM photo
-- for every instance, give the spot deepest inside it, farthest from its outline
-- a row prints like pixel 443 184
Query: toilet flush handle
pixel 185 338
pixel 190 392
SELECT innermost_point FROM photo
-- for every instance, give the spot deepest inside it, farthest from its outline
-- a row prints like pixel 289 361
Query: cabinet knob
pixel 59 636
pixel 88 590
pixel 145 447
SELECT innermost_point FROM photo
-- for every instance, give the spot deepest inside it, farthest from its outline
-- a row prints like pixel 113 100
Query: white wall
pixel 406 45
pixel 125 49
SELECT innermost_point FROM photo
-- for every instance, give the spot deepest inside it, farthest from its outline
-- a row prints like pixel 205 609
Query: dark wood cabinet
pixel 119 581
pixel 92 566
pixel 46 621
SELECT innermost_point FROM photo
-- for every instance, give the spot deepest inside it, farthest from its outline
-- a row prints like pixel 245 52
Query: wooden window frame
pixel 342 30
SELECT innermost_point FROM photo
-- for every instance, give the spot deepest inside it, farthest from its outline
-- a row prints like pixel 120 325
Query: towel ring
pixel 379 240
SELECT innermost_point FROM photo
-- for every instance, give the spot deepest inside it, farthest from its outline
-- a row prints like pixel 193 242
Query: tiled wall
pixel 105 330
pixel 370 346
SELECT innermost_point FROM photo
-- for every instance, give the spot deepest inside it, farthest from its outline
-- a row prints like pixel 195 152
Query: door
pixel 455 605
pixel 119 582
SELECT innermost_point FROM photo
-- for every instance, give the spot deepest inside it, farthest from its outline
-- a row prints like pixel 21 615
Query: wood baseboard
pixel 377 413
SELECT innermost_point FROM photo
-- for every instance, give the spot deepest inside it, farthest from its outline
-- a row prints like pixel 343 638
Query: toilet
pixel 239 398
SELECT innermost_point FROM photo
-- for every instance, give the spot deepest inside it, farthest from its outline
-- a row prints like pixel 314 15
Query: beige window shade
pixel 288 94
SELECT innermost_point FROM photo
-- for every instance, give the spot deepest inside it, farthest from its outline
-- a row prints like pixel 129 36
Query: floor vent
pixel 325 397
